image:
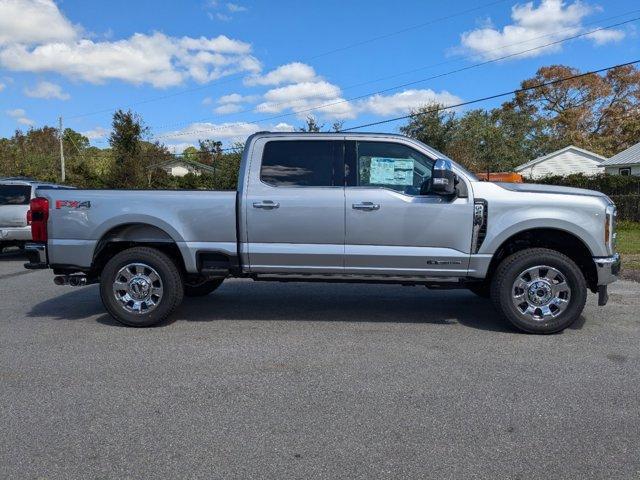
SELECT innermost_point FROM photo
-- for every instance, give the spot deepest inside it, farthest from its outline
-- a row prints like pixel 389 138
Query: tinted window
pixel 393 165
pixel 15 194
pixel 303 163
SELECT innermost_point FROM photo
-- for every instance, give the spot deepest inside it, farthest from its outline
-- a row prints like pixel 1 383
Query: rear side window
pixel 302 163
pixel 15 194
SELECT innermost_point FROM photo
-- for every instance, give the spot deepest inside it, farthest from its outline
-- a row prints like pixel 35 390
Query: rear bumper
pixel 37 256
pixel 15 234
pixel 608 269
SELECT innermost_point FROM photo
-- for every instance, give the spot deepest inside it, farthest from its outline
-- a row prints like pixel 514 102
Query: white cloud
pixel 2 86
pixel 156 59
pixel 283 127
pixel 533 26
pixel 294 72
pixel 18 112
pixel 228 132
pixel 232 103
pixel 33 22
pixel 96 133
pixel 47 90
pixel 228 10
pixel 405 101
pixel 235 8
pixel 602 37
pixel 25 121
pixel 20 116
pixel 200 130
pixel 321 96
pixel 227 108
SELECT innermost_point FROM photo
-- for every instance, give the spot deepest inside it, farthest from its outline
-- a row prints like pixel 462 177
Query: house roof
pixel 593 156
pixel 185 161
pixel 630 156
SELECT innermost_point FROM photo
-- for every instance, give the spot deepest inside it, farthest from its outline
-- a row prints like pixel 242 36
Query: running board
pixel 436 282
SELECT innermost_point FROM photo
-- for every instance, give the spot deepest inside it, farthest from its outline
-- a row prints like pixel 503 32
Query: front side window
pixel 301 163
pixel 15 194
pixel 625 171
pixel 394 166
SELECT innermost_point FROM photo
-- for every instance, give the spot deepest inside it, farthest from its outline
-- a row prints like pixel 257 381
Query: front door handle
pixel 266 204
pixel 367 206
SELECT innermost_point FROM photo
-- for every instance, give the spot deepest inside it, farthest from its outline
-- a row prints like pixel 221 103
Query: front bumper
pixel 608 269
pixel 37 256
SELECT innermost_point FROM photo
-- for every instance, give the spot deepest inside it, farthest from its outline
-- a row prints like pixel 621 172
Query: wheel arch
pixel 557 239
pixel 127 235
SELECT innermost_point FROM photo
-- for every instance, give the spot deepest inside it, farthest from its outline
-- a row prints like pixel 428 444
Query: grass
pixel 629 245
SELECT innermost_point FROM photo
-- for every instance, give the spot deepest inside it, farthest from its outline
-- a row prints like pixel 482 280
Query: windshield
pixel 15 194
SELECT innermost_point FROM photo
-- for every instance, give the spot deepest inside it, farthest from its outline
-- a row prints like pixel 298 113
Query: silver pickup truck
pixel 335 207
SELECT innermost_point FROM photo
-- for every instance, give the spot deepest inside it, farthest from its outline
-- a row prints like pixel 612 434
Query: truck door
pixel 295 206
pixel 394 226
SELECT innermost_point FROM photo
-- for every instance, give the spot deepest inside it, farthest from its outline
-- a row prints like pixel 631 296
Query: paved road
pixel 264 380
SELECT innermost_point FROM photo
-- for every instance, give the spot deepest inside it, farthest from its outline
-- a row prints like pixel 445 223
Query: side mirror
pixel 443 180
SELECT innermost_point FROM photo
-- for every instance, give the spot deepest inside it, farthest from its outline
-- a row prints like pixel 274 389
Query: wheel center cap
pixel 139 287
pixel 539 292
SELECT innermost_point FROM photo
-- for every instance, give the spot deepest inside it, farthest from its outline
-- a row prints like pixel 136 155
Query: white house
pixel 179 167
pixel 565 161
pixel 626 162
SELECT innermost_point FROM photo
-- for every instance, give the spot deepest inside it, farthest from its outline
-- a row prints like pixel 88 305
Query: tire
pixel 203 288
pixel 544 305
pixel 483 290
pixel 151 287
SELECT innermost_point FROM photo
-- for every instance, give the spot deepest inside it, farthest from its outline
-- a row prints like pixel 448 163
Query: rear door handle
pixel 367 206
pixel 266 204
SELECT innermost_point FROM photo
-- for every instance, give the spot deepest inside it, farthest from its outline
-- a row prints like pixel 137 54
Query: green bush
pixel 628 207
pixel 607 184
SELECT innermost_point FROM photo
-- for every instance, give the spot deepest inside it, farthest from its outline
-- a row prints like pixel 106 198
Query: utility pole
pixel 60 135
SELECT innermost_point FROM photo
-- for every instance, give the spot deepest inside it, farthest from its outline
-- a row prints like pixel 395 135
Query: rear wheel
pixel 539 290
pixel 200 289
pixel 141 287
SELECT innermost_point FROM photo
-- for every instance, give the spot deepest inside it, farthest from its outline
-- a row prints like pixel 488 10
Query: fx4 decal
pixel 72 204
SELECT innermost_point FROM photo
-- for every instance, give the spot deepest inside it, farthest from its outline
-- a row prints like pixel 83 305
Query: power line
pixel 490 97
pixel 396 87
pixel 329 52
pixel 503 47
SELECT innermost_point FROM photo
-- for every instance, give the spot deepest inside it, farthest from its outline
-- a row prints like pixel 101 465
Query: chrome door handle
pixel 266 204
pixel 367 206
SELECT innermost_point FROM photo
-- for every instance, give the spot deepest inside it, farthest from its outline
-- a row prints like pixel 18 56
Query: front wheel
pixel 539 290
pixel 141 287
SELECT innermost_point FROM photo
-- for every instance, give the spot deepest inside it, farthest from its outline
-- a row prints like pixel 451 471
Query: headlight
pixel 610 228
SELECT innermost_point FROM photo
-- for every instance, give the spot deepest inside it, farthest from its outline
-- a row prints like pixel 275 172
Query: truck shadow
pixel 12 254
pixel 262 301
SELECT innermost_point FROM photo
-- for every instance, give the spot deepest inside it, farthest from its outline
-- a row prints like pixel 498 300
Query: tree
pixel 311 125
pixel 596 112
pixel 129 168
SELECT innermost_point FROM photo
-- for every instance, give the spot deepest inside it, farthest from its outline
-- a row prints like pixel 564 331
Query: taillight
pixel 37 217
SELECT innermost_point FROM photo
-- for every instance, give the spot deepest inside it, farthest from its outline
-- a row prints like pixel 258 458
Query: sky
pixel 214 69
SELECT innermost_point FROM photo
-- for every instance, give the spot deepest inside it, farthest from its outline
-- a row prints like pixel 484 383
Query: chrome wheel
pixel 540 293
pixel 138 288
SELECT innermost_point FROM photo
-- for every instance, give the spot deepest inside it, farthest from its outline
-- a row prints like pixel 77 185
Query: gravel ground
pixel 267 380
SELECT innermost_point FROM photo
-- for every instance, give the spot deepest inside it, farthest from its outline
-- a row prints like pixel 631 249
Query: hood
pixel 538 188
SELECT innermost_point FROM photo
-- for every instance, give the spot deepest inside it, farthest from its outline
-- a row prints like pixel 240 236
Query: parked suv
pixel 15 195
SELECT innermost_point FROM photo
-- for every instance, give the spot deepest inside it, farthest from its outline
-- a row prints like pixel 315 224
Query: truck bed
pixel 195 220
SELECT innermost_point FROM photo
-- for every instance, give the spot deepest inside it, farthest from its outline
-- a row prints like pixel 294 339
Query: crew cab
pixel 335 207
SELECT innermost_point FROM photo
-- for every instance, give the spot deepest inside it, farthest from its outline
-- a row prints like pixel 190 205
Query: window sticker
pixel 391 171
